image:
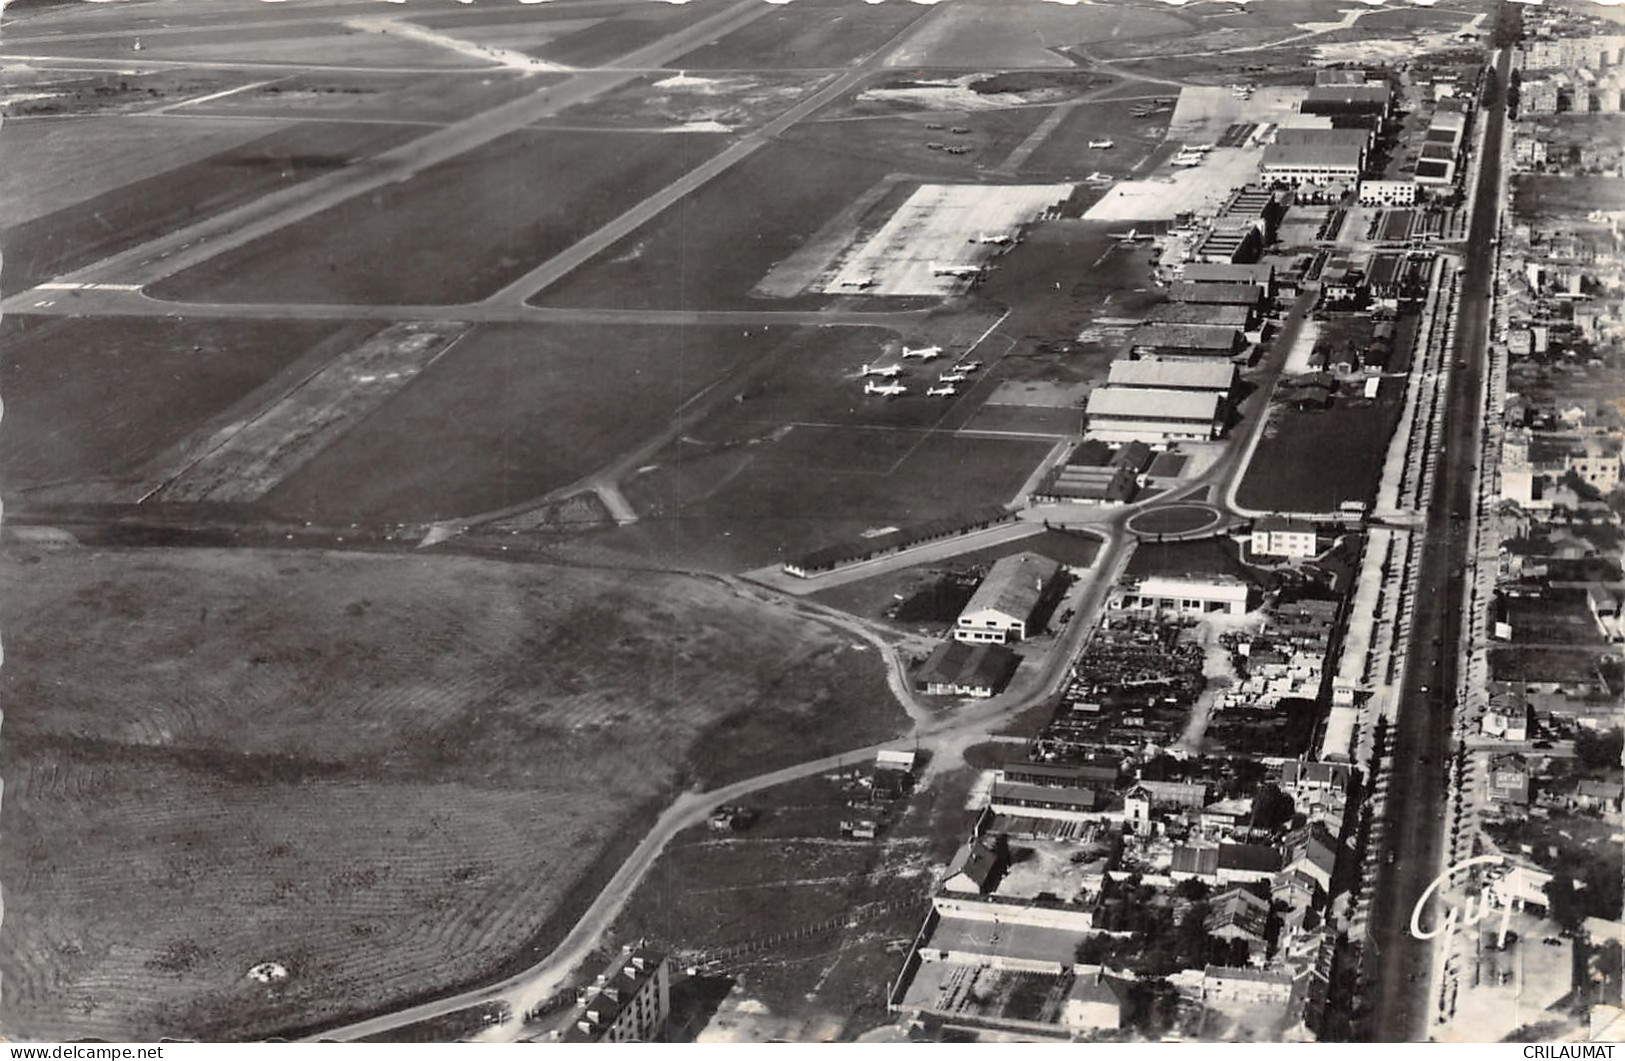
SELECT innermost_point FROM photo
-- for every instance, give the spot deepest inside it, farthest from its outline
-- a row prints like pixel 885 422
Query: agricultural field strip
pixel 933 228
pixel 556 268
pixel 197 243
pixel 251 458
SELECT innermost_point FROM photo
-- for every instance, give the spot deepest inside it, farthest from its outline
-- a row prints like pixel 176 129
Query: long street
pixel 1420 741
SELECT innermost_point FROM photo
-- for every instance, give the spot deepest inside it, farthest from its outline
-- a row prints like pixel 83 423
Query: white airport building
pixel 1144 414
pixel 1186 595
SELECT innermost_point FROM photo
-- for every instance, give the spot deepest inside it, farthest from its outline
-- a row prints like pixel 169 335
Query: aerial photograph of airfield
pixel 729 521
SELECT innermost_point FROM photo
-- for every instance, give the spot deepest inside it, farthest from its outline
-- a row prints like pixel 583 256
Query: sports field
pixel 385 773
pixel 455 232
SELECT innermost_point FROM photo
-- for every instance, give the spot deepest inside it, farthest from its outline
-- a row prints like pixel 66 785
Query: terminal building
pixel 1387 193
pixel 1292 166
pixel 1127 414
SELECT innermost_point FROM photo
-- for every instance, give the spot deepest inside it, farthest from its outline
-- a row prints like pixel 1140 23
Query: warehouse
pixel 1186 340
pixel 1365 104
pixel 1191 313
pixel 1261 274
pixel 1089 484
pixel 1316 139
pixel 1123 414
pixel 1205 377
pixel 1205 294
pixel 958 669
pixel 1004 604
pixel 1231 240
pixel 1191 594
pixel 1292 166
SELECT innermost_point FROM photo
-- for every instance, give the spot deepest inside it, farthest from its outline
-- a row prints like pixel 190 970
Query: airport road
pixel 170 253
pixel 1414 840
pixel 950 732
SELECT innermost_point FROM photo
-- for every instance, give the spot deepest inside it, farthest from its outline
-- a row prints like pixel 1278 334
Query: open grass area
pixel 663 98
pixel 53 165
pixel 95 398
pixel 985 34
pixel 625 29
pixel 1067 152
pixel 709 250
pixel 756 504
pixel 1563 665
pixel 511 412
pixel 457 231
pixel 381 96
pixel 711 895
pixel 904 141
pixel 303 43
pixel 1543 197
pixel 1559 616
pixel 811 34
pixel 84 232
pixel 385 773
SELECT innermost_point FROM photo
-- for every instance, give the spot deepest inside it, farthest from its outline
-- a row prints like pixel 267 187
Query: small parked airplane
pixel 1133 235
pixel 962 271
pixel 945 391
pixel 1101 145
pixel 885 390
pixel 890 371
pixel 998 240
pixel 859 282
pixel 924 353
pixel 951 377
pixel 967 366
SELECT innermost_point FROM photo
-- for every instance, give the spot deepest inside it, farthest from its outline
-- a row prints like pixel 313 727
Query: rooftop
pixel 1013 585
pixel 1341 156
pixel 1187 336
pixel 1221 294
pixel 1146 403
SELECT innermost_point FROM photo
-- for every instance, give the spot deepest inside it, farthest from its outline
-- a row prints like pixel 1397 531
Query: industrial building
pixel 1202 293
pixel 1004 604
pixel 1123 414
pixel 1242 317
pixel 1088 483
pixel 1230 240
pixel 1261 274
pixel 1205 377
pixel 1364 104
pixel 1316 139
pixel 1204 341
pixel 1184 594
pixel 628 1002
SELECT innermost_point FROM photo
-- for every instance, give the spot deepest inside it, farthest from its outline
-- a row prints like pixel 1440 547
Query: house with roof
pixel 1194 862
pixel 1006 601
pixel 1143 414
pixel 1302 778
pixel 1044 801
pixel 1245 863
pixel 1280 536
pixel 1238 913
pixel 1312 851
pixel 1061 775
pixel 1095 1001
pixel 974 870
pixel 957 668
pixel 1592 794
pixel 1509 780
pixel 1221 983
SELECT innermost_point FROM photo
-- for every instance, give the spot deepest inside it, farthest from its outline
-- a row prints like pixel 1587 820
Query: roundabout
pixel 1176 521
